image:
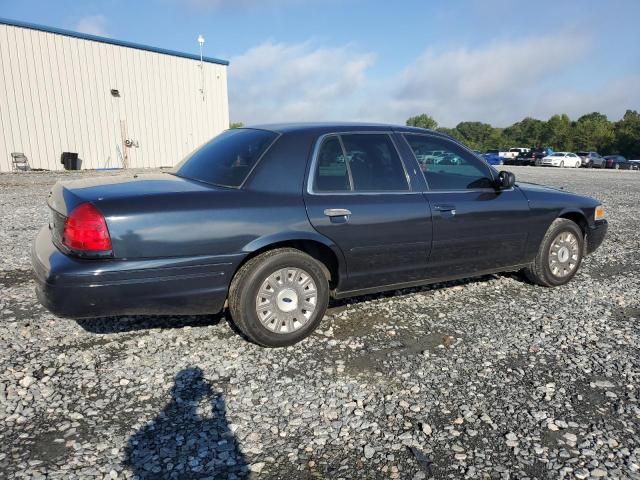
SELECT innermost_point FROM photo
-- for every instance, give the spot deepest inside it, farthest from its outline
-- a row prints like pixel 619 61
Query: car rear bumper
pixel 595 235
pixel 80 288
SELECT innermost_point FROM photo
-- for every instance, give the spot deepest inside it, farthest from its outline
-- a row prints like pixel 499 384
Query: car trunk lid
pixel 67 195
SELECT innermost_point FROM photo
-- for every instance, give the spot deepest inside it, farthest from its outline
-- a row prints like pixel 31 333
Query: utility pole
pixel 201 42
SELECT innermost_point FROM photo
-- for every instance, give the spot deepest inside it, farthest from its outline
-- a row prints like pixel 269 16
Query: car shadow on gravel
pixel 123 324
pixel 189 438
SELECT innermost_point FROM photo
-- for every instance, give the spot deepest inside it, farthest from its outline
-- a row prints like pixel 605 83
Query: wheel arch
pixel 578 217
pixel 317 246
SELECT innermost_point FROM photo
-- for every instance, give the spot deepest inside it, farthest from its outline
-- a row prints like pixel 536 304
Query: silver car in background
pixel 591 159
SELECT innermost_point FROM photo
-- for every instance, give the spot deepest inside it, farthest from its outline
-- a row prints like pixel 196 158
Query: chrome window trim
pixel 314 160
pixel 492 171
pixel 473 190
pixel 347 163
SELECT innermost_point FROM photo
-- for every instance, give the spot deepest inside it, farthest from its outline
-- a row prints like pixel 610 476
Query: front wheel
pixel 559 255
pixel 562 164
pixel 279 297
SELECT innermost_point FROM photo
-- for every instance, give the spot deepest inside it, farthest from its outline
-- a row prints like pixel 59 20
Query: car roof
pixel 326 127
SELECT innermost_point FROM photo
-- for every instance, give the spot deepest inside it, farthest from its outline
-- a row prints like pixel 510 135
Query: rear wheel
pixel 559 255
pixel 617 166
pixel 279 297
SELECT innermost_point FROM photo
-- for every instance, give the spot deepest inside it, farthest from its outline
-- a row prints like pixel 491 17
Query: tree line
pixel 591 132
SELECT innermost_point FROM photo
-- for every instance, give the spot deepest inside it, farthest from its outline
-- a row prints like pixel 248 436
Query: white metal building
pixel 116 104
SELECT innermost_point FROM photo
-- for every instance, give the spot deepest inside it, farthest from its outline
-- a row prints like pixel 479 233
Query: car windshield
pixel 583 154
pixel 227 159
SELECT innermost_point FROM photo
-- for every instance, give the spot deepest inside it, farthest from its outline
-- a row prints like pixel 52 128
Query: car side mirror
pixel 505 180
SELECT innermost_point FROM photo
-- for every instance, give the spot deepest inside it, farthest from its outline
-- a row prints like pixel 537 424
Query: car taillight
pixel 85 230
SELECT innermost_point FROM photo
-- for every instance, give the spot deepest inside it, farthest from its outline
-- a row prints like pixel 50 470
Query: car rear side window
pixel 332 174
pixel 227 159
pixel 447 166
pixel 359 162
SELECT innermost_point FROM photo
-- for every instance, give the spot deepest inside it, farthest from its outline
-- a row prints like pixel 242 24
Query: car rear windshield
pixel 227 159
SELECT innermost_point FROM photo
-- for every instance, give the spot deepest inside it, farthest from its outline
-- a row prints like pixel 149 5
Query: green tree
pixel 627 135
pixel 236 125
pixel 593 132
pixel 477 135
pixel 452 132
pixel 525 133
pixel 558 133
pixel 422 121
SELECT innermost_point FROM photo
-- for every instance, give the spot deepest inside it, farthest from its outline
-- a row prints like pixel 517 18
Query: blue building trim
pixel 110 41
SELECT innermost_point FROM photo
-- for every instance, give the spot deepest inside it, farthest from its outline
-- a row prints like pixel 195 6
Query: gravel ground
pixel 486 378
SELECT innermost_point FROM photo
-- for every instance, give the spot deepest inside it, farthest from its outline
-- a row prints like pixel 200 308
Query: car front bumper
pixel 595 235
pixel 81 288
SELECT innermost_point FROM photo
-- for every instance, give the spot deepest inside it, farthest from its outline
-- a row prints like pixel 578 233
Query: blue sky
pixel 490 60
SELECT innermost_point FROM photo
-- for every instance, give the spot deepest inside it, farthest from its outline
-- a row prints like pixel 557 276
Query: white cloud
pixel 93 25
pixel 499 83
pixel 279 82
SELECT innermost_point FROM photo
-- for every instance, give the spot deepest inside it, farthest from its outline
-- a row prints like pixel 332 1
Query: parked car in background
pixel 635 164
pixel 514 152
pixel 533 157
pixel 591 159
pixel 617 162
pixel 493 157
pixel 562 159
pixel 253 221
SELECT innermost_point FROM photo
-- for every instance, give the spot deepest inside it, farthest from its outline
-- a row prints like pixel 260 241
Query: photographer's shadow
pixel 180 443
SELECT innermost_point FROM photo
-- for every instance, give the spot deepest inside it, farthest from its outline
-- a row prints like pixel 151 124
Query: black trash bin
pixel 70 161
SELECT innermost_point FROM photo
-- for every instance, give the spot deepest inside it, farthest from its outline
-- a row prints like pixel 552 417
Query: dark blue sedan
pixel 272 221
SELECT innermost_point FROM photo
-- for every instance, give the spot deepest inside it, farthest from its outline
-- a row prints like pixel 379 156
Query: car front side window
pixel 447 166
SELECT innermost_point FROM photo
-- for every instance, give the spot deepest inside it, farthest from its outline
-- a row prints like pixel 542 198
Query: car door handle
pixel 337 212
pixel 448 209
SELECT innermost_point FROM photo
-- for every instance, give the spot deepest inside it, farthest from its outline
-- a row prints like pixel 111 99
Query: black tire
pixel 590 165
pixel 539 271
pixel 247 282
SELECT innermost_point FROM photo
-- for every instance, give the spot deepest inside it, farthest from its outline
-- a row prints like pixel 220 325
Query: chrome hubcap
pixel 564 254
pixel 286 300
